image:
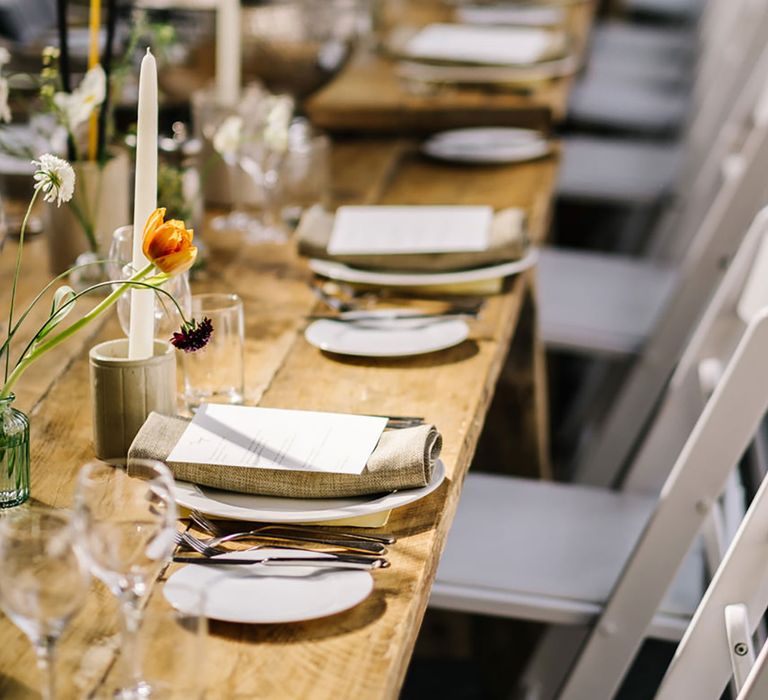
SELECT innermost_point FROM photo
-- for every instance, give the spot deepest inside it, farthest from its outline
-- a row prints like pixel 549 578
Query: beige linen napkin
pixel 402 459
pixel 507 242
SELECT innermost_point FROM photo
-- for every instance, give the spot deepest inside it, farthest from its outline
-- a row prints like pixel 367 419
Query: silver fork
pixel 316 533
pixel 187 539
pixel 221 536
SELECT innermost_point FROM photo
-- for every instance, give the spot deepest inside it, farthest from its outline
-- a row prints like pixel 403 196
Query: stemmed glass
pixel 126 521
pixel 222 126
pixel 263 165
pixel 43 580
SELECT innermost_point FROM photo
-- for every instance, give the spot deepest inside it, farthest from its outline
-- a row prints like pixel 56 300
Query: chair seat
pixel 617 171
pixel 627 39
pixel 550 552
pixel 674 10
pixel 613 103
pixel 600 303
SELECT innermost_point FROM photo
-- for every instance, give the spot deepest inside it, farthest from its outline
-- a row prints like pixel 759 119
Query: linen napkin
pixel 507 242
pixel 402 459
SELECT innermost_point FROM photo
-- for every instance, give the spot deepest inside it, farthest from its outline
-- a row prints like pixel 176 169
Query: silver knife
pixel 340 561
pixel 381 319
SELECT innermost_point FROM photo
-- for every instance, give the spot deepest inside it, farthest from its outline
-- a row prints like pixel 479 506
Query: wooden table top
pixel 362 653
pixel 368 96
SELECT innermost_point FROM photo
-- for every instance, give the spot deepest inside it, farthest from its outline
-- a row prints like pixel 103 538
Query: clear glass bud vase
pixel 14 454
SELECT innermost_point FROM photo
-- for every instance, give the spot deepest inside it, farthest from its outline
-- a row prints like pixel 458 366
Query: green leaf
pixel 63 303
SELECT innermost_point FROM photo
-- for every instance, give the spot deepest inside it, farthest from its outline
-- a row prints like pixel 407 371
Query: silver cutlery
pixel 371 318
pixel 339 561
pixel 218 528
pixel 214 543
pixel 209 553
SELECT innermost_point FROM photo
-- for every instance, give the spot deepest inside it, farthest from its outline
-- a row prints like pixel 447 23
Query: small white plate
pixel 487 145
pixel 268 594
pixel 345 273
pixel 385 336
pixel 271 509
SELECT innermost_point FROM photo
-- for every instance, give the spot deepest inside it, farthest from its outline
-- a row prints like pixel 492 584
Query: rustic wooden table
pixel 364 652
pixel 368 96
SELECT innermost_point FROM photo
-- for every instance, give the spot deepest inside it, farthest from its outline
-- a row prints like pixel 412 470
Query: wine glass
pixel 222 128
pixel 43 580
pixel 264 165
pixel 126 521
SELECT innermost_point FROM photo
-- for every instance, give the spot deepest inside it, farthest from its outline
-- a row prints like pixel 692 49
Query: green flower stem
pixel 16 278
pixel 29 357
pixel 85 223
pixel 41 294
pixel 152 283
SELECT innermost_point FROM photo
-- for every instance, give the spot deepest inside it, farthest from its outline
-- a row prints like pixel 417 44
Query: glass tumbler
pixel 215 374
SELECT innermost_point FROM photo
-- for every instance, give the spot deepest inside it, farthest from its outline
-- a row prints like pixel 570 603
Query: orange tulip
pixel 168 244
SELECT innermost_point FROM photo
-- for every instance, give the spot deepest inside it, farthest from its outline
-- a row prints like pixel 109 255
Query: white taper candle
pixel 228 52
pixel 141 337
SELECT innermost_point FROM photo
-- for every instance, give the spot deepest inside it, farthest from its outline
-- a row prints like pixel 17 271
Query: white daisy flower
pixel 228 136
pixel 77 106
pixel 55 178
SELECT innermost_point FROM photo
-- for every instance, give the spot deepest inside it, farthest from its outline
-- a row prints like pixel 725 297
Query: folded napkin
pixel 507 242
pixel 402 459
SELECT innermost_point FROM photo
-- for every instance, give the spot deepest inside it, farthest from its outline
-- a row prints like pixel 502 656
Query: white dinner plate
pixel 271 509
pixel 487 145
pixel 385 336
pixel 261 594
pixel 345 273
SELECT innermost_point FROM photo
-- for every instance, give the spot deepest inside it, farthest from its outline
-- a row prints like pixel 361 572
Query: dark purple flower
pixel 193 335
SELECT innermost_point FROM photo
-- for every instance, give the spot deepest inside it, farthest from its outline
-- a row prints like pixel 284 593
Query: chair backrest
pixel 606 456
pixel 719 438
pixel 740 296
pixel 707 165
pixel 735 43
pixel 717 645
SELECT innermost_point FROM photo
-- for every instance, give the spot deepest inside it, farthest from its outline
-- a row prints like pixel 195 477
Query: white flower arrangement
pixel 77 106
pixel 55 178
pixel 228 137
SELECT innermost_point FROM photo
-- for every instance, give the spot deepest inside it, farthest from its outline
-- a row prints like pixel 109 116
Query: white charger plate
pixel 271 509
pixel 385 336
pixel 345 273
pixel 268 594
pixel 487 145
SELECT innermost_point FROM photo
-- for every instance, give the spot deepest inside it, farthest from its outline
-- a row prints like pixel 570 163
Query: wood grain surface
pixel 367 95
pixel 364 652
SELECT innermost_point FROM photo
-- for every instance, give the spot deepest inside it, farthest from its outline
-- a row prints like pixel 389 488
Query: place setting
pixel 450 251
pixel 279 497
pixel 481 53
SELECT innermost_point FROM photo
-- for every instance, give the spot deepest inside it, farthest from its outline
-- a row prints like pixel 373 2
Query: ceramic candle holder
pixel 124 392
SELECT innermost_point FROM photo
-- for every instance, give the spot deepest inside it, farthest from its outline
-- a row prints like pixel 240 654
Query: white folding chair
pixel 638 173
pixel 643 310
pixel 573 555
